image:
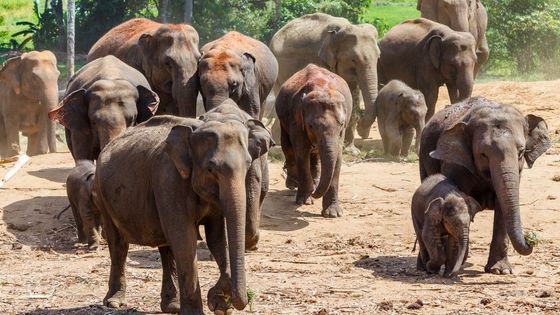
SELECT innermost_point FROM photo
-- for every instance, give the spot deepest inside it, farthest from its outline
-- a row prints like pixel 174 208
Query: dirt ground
pixel 361 263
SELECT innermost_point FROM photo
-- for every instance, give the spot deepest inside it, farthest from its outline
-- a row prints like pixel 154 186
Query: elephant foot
pixel 303 200
pixel 352 150
pixel 93 246
pixel 333 211
pixel 219 296
pixel 251 242
pixel 433 267
pixel 171 306
pixel 291 183
pixel 498 267
pixel 116 301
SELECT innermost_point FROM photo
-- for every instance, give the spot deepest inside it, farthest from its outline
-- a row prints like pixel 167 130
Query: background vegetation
pixel 524 35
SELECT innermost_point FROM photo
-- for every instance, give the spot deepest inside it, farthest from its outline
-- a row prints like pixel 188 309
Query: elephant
pixel 166 54
pixel 102 99
pixel 481 146
pixel 233 66
pixel 314 108
pixel 462 16
pixel 181 173
pixel 78 188
pixel 439 210
pixel 28 90
pixel 425 55
pixel 400 111
pixel 334 43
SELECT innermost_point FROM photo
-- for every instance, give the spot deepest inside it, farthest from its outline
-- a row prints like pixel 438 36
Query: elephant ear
pixel 474 206
pixel 537 141
pixel 260 139
pixel 433 47
pixel 434 211
pixel 72 112
pixel 147 104
pixel 177 148
pixel 10 74
pixel 454 146
pixel 147 42
pixel 327 51
pixel 250 93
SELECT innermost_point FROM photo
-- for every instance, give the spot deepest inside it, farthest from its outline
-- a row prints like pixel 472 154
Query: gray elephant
pixel 79 186
pixel 193 173
pixel 426 55
pixel 28 90
pixel 440 211
pixel 314 108
pixel 334 43
pixel 165 53
pixel 481 146
pixel 400 111
pixel 102 99
pixel 463 16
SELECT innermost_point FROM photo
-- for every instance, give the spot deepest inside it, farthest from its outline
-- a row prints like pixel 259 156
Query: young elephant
pixel 400 110
pixel 78 187
pixel 314 108
pixel 439 209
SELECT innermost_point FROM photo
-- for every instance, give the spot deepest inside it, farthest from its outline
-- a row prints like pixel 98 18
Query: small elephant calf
pixel 79 187
pixel 400 110
pixel 440 211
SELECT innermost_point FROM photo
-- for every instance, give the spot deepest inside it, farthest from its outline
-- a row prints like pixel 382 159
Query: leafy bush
pixel 49 31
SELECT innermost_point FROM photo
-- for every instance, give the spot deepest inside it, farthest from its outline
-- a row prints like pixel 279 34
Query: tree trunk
pixel 188 11
pixel 277 13
pixel 164 11
pixel 70 38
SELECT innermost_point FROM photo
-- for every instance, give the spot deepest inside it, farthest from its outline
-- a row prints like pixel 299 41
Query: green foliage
pixel 49 30
pixel 386 14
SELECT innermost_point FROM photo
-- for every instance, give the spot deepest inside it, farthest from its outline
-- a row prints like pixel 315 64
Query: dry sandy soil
pixel 361 263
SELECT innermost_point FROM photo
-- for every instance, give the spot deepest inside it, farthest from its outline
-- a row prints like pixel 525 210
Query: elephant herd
pixel 149 172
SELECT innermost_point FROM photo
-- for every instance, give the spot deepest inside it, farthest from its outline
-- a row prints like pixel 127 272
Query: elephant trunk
pixel 461 252
pixel 50 102
pixel 179 90
pixel 232 196
pixel 462 88
pixel 214 101
pixel 329 153
pixel 506 184
pixel 367 81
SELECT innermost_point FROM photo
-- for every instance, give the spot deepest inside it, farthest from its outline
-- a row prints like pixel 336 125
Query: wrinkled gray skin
pixel 440 211
pixel 314 108
pixel 481 146
pixel 256 183
pixel 333 43
pixel 28 90
pixel 400 112
pixel 426 55
pixel 463 16
pixel 79 185
pixel 193 173
pixel 103 98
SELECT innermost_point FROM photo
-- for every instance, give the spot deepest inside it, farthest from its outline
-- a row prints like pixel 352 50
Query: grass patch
pixel 392 12
pixel 12 11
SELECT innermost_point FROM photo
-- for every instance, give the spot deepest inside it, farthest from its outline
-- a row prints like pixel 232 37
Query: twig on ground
pixel 366 160
pixel 384 189
pixel 530 203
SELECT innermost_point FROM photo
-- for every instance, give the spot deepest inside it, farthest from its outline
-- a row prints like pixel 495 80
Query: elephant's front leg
pixel 216 240
pixel 290 164
pixel 314 166
pixel 169 301
pixel 11 149
pixel 331 205
pixel 498 262
pixel 305 181
pixel 253 188
pixel 349 146
pixel 430 96
pixel 37 143
pixel 407 135
pixel 394 140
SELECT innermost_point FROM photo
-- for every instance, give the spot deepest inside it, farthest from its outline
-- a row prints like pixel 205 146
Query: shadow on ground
pixel 90 310
pixel 54 174
pixel 281 213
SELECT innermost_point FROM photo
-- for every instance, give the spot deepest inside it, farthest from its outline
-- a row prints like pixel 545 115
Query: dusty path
pixel 358 264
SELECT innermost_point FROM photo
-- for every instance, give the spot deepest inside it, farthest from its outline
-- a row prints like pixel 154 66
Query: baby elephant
pixel 439 211
pixel 88 219
pixel 399 110
pixel 314 108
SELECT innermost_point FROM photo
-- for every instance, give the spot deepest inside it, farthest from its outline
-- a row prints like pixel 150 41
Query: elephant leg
pixel 12 138
pixel 118 250
pixel 331 205
pixel 3 140
pixel 349 146
pixel 314 165
pixel 423 256
pixel 51 135
pixel 430 96
pixel 253 187
pixel 305 181
pixel 88 218
pixel 407 135
pixel 482 54
pixel 37 143
pixel 451 250
pixel 394 138
pixel 265 177
pixel 82 238
pixel 498 262
pixel 216 240
pixel 384 136
pixel 436 254
pixel 169 301
pixel 290 164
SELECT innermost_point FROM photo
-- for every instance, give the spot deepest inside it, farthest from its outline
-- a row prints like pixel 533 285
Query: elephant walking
pixel 28 90
pixel 333 43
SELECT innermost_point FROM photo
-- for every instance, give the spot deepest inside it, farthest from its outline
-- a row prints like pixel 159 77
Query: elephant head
pixel 223 74
pixel 323 119
pixel 102 112
pixel 412 109
pixel 351 51
pixel 215 159
pixel 169 57
pixel 492 141
pixel 452 57
pixel 453 13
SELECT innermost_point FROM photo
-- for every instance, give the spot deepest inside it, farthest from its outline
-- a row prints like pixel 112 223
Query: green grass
pixel 392 12
pixel 12 11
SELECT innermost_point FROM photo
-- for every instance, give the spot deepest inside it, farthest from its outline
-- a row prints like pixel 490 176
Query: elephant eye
pixel 521 153
pixel 484 156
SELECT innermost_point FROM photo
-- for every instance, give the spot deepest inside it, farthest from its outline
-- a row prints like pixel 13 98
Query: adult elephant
pixel 233 66
pixel 102 99
pixel 28 90
pixel 481 146
pixel 333 43
pixel 426 55
pixel 193 174
pixel 165 53
pixel 463 16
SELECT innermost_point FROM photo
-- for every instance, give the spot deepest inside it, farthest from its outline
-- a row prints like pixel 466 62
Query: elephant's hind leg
pixel 118 249
pixel 169 300
pixel 349 133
